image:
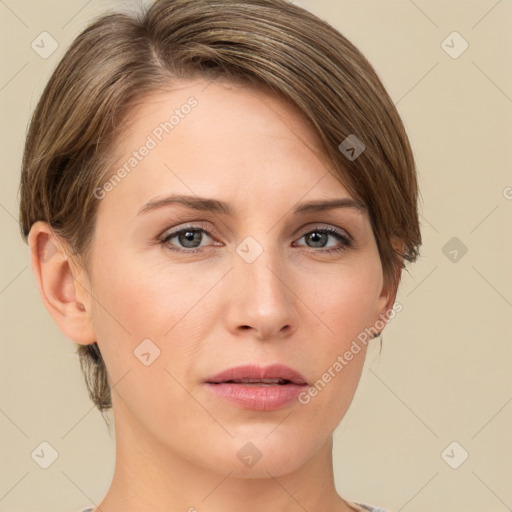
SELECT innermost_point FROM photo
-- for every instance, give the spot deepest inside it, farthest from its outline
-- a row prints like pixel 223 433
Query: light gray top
pixel 363 505
pixel 90 508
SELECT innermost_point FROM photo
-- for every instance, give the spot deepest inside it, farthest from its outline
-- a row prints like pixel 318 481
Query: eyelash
pixel 166 237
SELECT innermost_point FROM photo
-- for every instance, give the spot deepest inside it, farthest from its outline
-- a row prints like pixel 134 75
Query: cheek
pixel 345 307
pixel 140 300
pixel 137 305
pixel 346 300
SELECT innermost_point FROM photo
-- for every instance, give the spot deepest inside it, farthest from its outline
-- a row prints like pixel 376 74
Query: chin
pixel 263 455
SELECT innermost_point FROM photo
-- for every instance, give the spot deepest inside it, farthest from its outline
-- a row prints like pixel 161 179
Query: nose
pixel 262 301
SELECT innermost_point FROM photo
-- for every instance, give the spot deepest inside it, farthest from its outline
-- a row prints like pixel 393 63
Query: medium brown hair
pixel 120 58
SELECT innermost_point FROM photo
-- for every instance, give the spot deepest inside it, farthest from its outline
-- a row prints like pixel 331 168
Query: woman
pixel 219 197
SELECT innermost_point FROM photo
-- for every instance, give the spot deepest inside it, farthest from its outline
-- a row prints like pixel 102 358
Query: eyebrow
pixel 216 206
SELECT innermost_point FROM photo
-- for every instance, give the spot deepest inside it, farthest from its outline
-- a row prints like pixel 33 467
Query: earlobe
pixel 386 301
pixel 61 289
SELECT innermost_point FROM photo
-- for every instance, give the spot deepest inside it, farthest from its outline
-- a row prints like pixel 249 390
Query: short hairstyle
pixel 122 57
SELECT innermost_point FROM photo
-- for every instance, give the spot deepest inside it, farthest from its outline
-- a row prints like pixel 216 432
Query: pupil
pixel 190 236
pixel 317 235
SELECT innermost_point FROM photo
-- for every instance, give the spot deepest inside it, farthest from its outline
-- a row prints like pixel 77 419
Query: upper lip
pixel 251 371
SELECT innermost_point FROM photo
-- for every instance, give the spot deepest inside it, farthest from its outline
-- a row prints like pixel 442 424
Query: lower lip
pixel 258 398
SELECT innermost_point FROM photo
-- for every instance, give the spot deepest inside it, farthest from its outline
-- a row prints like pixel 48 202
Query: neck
pixel 150 476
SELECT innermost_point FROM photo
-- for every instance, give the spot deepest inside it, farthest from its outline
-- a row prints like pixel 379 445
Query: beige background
pixel 444 373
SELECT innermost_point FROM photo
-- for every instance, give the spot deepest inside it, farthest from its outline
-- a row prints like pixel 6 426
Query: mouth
pixel 252 375
pixel 256 382
pixel 257 393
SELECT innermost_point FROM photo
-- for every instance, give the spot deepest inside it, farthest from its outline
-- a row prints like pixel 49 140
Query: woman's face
pixel 260 285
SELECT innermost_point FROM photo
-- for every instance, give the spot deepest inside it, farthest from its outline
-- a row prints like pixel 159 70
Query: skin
pixel 177 443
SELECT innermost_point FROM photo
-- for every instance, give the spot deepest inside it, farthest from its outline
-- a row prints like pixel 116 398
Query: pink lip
pixel 250 371
pixel 258 397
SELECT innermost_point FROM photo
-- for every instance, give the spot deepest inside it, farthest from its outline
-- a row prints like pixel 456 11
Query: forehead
pixel 218 139
pixel 210 111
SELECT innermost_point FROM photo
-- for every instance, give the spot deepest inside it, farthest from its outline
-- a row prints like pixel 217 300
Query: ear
pixel 387 297
pixel 63 284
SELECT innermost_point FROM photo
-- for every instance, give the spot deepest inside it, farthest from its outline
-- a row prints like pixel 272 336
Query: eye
pixel 319 237
pixel 189 238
